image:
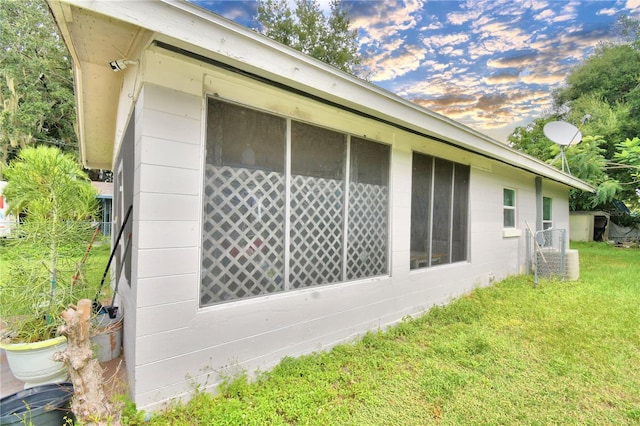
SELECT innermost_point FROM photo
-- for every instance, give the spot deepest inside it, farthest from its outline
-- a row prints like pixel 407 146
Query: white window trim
pixel 511 231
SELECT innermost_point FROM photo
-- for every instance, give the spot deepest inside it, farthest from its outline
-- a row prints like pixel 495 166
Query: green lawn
pixel 561 353
pixel 25 279
pixel 12 252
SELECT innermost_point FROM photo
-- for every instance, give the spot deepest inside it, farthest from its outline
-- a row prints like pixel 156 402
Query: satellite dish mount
pixel 564 135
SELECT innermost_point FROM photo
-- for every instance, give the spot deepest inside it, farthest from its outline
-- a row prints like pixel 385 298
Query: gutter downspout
pixel 538 203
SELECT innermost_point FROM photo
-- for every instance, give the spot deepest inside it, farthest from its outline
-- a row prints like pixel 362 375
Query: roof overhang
pixel 99 32
pixel 94 40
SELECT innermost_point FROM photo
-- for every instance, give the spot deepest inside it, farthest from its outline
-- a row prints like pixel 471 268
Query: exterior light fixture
pixel 120 64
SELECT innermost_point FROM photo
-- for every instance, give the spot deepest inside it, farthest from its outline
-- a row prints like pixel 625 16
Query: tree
pixel 308 30
pixel 587 162
pixel 531 139
pixel 627 157
pixel 628 30
pixel 605 88
pixel 610 73
pixel 58 202
pixel 37 104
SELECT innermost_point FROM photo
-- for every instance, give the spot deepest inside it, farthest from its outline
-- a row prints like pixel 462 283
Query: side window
pixel 547 216
pixel 509 207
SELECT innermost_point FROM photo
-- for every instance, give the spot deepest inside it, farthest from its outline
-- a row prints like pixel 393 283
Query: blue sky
pixel 489 64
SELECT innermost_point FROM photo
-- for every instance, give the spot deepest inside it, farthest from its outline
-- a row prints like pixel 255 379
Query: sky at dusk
pixel 489 64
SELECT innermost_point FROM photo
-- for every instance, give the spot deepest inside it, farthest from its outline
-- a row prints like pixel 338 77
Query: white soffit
pixel 94 40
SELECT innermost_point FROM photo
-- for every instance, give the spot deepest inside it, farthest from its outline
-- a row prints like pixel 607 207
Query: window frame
pixel 513 208
pixel 547 222
pixel 347 274
pixel 426 250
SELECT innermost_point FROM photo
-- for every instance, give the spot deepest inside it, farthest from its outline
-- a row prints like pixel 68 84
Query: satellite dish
pixel 562 133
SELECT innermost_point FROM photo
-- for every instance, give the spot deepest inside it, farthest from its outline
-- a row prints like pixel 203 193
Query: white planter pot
pixel 33 364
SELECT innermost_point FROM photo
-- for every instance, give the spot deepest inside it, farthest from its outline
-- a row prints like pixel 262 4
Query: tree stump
pixel 89 404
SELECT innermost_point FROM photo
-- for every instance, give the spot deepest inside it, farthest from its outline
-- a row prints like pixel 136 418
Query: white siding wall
pixel 177 344
pixel 496 254
pixel 167 222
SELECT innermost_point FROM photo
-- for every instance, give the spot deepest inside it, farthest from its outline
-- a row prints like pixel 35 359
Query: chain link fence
pixel 546 253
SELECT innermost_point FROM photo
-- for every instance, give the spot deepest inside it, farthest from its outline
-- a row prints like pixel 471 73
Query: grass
pixel 562 353
pixel 14 252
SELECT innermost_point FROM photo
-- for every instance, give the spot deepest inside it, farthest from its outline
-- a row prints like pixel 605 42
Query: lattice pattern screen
pixel 368 231
pixel 316 231
pixel 243 238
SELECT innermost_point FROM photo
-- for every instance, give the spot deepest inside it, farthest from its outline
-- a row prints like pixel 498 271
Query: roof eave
pixel 189 27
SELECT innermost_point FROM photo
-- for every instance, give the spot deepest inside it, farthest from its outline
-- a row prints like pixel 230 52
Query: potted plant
pixel 56 202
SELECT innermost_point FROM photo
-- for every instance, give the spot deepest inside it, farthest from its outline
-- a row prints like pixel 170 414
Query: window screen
pixel 509 207
pixel 317 205
pixel 460 213
pixel 439 211
pixel 547 219
pixel 246 213
pixel 244 206
pixel 368 236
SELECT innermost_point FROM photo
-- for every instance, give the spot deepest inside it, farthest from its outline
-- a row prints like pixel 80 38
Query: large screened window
pixel 439 211
pixel 272 225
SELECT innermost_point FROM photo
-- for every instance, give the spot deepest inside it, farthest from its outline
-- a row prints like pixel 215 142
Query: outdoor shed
pixel 589 226
pixel 280 206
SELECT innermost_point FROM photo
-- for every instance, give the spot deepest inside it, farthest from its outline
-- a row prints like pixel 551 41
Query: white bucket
pixel 107 337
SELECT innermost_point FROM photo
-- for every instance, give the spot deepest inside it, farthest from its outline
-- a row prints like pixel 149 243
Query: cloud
pixel 390 64
pixel 550 79
pixel 486 63
pixel 633 5
pixel 460 18
pixel 567 12
pixel 607 12
pixel 379 21
pixel 381 27
pixel 432 26
pixel 545 15
pixel 447 101
pixel 492 36
pixel 502 78
pixel 519 60
pixel 441 40
pixel 493 113
pixel 538 4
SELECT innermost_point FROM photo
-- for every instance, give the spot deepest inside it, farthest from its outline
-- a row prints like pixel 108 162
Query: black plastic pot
pixel 45 405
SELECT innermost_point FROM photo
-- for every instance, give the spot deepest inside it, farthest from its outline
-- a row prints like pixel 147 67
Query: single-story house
pixel 280 206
